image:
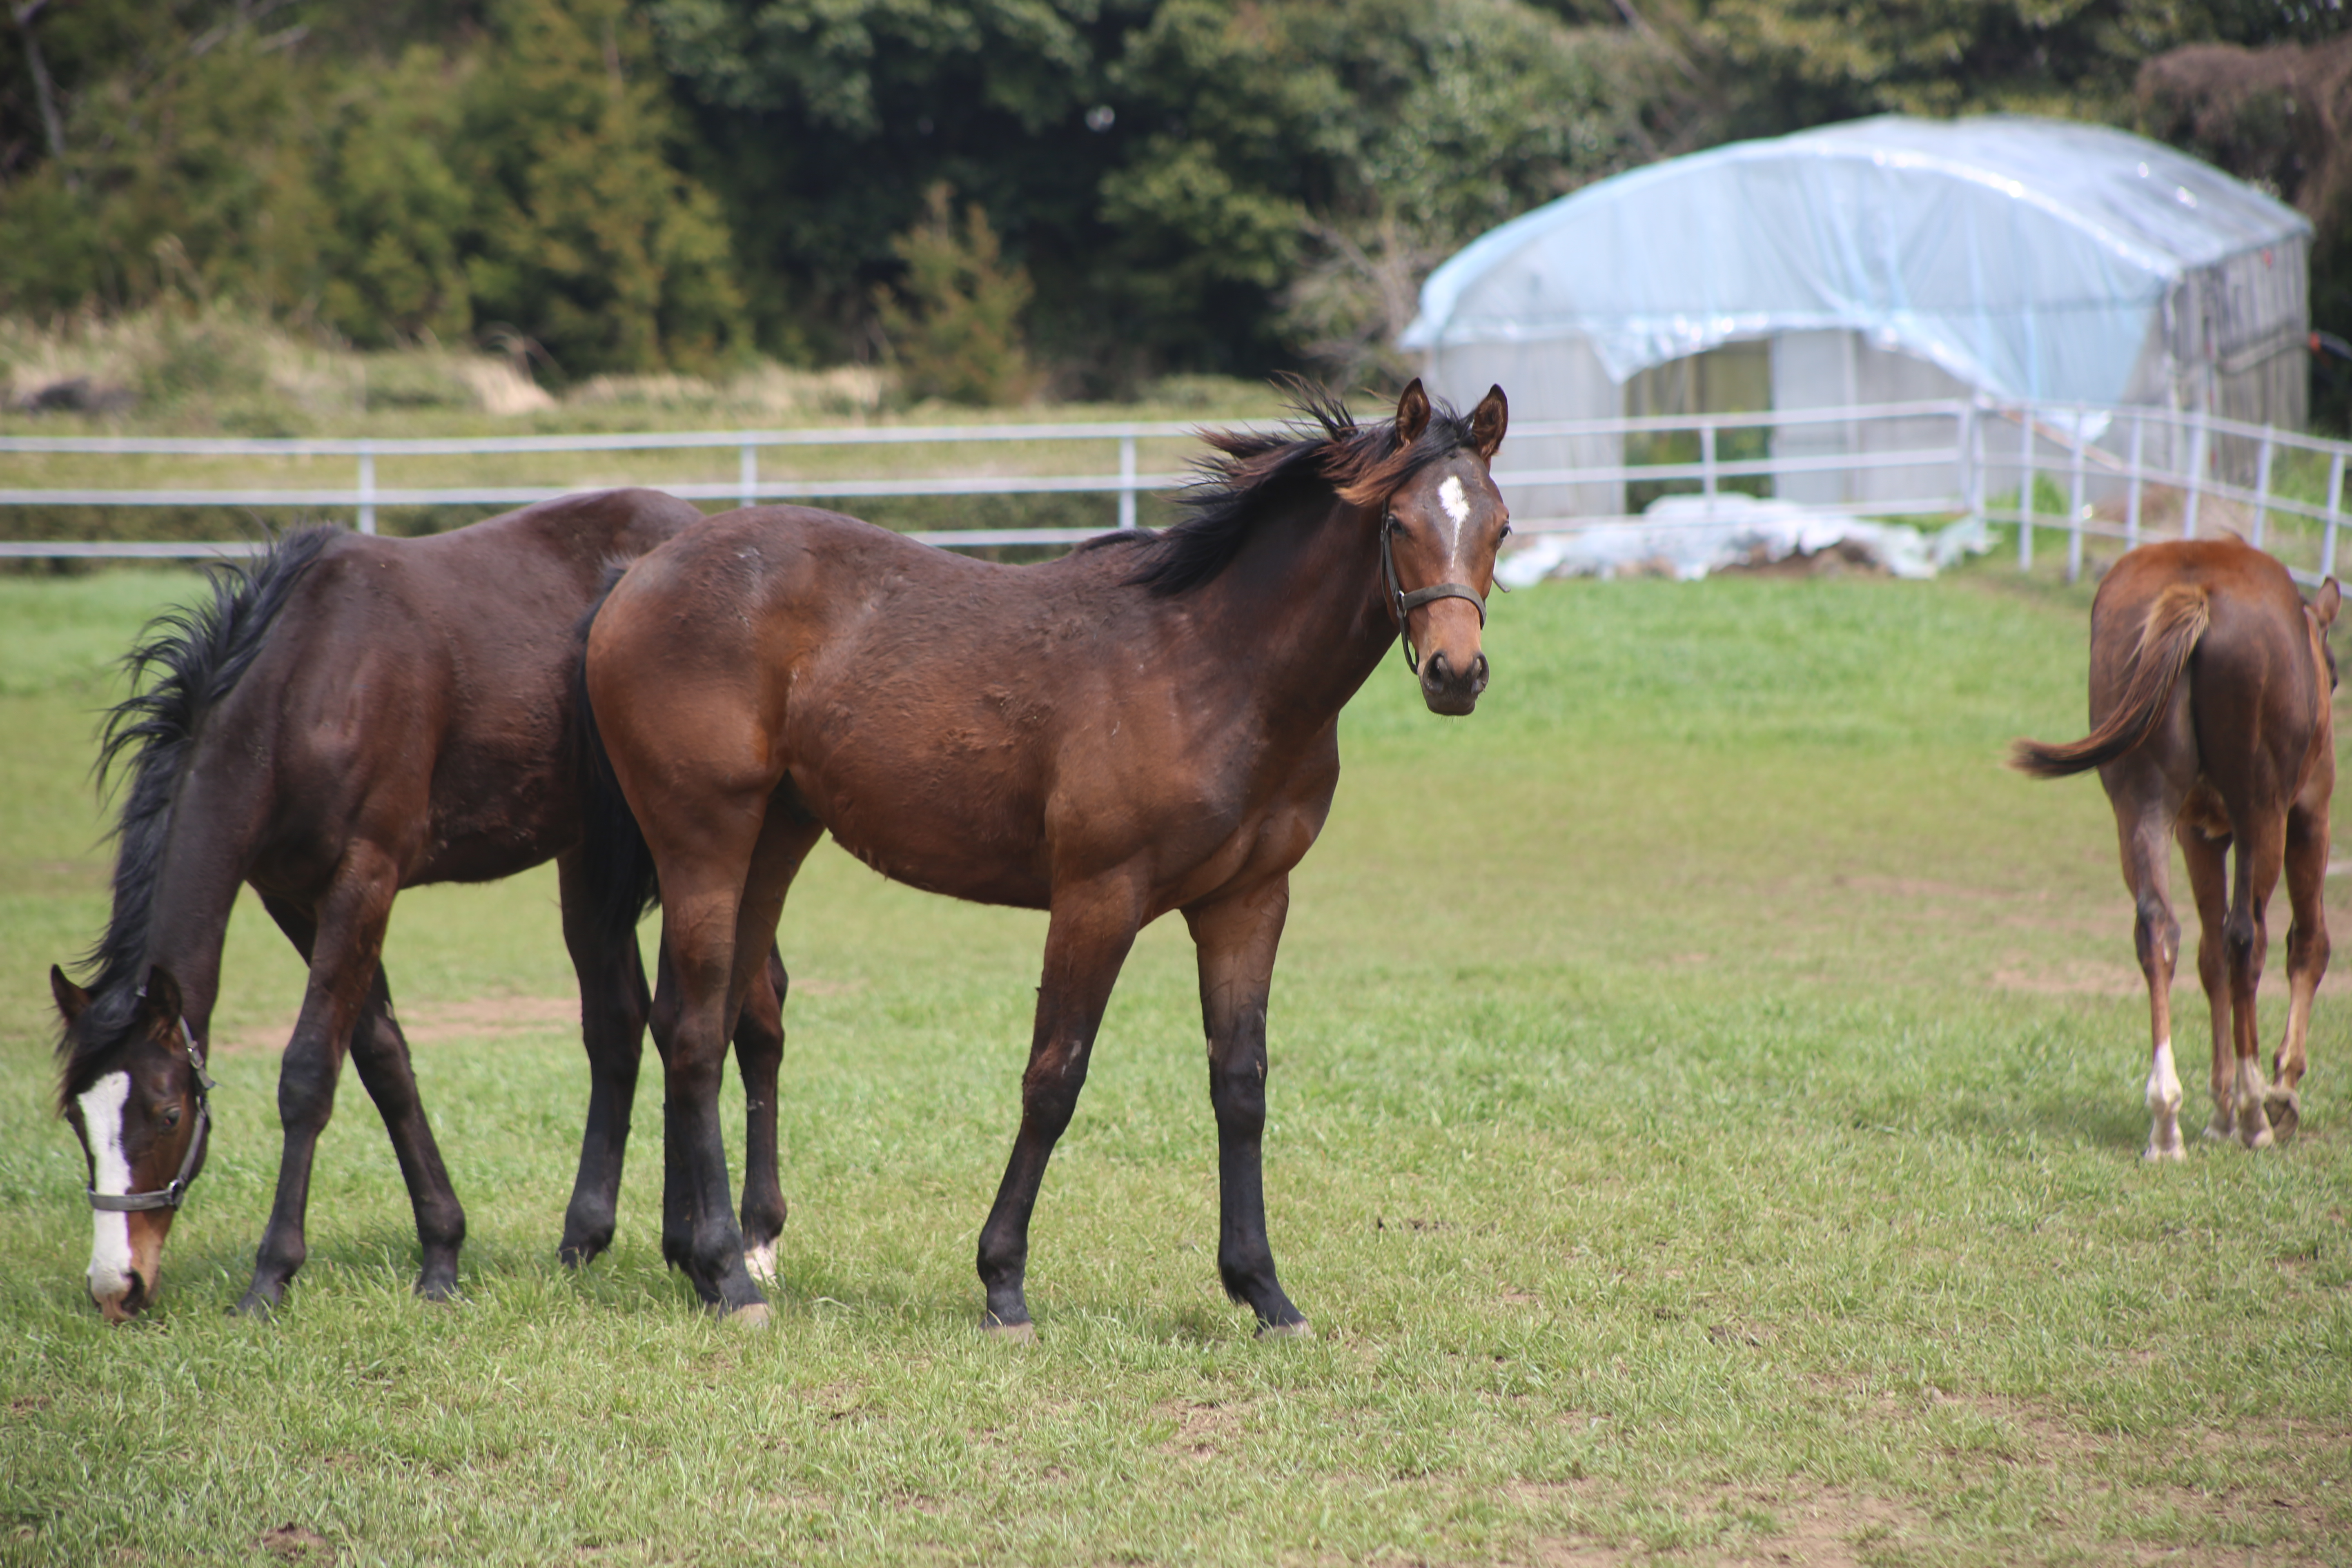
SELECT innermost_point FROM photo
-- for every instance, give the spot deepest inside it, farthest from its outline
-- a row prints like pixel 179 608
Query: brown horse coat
pixel 2211 717
pixel 1144 726
pixel 354 716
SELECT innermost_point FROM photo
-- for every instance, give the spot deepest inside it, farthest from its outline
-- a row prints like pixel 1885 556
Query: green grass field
pixel 1706 1121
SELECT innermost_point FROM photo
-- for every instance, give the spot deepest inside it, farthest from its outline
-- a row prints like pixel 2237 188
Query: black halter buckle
pixel 1400 602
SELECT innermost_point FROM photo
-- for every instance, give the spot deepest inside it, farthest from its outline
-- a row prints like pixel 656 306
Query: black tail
pixel 615 856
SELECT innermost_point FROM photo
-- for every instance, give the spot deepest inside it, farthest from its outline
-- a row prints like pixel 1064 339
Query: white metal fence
pixel 2121 473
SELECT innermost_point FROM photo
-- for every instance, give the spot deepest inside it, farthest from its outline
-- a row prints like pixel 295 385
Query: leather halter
pixel 173 1196
pixel 1400 602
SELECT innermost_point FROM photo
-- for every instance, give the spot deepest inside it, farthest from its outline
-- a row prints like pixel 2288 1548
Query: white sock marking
pixel 2163 1081
pixel 101 1119
pixel 1457 508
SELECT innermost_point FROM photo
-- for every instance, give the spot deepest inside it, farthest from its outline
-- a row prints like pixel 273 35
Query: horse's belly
pixel 966 836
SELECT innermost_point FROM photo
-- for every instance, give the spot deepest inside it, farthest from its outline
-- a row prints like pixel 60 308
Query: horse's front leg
pixel 1236 937
pixel 759 1057
pixel 345 947
pixel 1086 939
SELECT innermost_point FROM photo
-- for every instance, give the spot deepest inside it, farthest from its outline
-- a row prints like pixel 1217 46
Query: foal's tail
pixel 2176 620
pixel 614 855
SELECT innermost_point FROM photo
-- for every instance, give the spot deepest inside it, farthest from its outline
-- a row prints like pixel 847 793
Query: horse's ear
pixel 1488 421
pixel 1413 415
pixel 161 997
pixel 72 1000
pixel 2325 602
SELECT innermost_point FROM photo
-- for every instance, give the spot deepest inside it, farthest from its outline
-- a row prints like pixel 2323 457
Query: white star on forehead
pixel 1456 505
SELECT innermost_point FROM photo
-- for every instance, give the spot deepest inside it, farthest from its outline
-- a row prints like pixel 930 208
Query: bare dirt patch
pixel 295 1543
pixel 1203 1429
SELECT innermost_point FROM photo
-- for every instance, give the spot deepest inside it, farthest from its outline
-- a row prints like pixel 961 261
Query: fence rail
pixel 2119 468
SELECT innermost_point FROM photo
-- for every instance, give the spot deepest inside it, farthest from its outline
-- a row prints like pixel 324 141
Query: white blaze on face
pixel 1457 509
pixel 101 1120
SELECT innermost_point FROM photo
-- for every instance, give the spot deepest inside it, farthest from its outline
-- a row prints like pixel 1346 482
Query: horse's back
pixel 421 690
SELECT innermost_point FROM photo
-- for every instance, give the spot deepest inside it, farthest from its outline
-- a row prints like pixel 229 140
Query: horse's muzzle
pixel 1451 690
pixel 125 1305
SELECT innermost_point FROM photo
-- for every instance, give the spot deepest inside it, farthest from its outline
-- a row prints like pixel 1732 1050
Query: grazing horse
pixel 2212 687
pixel 350 717
pixel 1147 725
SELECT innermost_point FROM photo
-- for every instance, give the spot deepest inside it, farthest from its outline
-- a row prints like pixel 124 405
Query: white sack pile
pixel 1688 536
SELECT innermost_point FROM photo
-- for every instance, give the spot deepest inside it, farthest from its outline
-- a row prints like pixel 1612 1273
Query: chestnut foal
pixel 2212 687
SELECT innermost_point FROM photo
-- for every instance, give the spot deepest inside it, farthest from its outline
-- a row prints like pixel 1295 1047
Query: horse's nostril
pixel 1434 670
pixel 1478 673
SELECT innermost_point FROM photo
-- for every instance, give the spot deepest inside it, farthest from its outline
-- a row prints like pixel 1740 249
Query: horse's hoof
pixel 2285 1107
pixel 1300 1330
pixel 2156 1153
pixel 1021 1333
pixel 754 1316
pixel 762 1261
pixel 254 1306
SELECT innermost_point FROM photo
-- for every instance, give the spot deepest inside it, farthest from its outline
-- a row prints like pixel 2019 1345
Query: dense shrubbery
pixel 1227 186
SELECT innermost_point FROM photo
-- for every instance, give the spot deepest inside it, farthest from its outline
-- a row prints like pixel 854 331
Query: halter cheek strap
pixel 173 1196
pixel 1400 602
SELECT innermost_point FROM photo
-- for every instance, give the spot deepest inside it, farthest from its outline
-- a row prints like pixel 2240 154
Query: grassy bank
pixel 1706 1111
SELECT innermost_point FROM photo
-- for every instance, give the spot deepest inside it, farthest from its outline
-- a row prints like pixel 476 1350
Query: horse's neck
pixel 190 888
pixel 1304 599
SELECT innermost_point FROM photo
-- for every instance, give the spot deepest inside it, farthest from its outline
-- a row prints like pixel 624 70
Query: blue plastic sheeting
pixel 2027 257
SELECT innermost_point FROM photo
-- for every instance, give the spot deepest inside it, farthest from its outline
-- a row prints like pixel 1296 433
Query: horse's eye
pixel 168 1117
pixel 1505 534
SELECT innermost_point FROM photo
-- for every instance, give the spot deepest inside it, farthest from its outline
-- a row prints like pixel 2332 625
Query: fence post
pixel 1968 453
pixel 2196 477
pixel 2025 488
pixel 2334 516
pixel 367 488
pixel 2075 507
pixel 2131 507
pixel 2262 487
pixel 747 476
pixel 1127 481
pixel 1706 463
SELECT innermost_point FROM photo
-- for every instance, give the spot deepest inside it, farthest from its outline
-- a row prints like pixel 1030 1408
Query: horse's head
pixel 134 1091
pixel 1438 539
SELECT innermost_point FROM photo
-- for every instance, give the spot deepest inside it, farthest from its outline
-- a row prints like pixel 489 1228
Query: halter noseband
pixel 1399 601
pixel 173 1196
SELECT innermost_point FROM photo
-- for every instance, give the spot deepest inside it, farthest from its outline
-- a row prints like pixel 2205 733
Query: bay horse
pixel 348 717
pixel 2212 723
pixel 1148 723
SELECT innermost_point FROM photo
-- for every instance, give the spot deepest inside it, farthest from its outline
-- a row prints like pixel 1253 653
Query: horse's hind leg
pixel 2140 828
pixel 612 1008
pixel 758 1057
pixel 2306 958
pixel 2261 848
pixel 2209 877
pixel 720 899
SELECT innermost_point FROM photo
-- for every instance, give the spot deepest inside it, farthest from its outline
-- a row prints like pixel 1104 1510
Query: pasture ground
pixel 1706 1121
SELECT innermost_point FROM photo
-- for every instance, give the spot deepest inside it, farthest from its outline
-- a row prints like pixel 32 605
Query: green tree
pixel 953 324
pixel 588 238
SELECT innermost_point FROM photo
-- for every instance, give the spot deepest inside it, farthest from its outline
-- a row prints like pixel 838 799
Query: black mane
pixel 1250 476
pixel 194 655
